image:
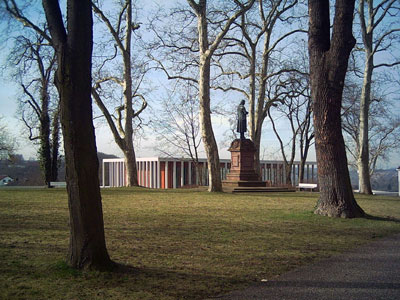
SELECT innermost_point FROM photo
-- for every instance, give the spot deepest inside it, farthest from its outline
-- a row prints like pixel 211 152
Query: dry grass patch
pixel 175 244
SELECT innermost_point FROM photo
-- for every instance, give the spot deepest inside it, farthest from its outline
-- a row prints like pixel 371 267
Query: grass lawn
pixel 175 244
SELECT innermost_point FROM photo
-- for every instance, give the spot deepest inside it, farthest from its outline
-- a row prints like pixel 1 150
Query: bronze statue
pixel 241 120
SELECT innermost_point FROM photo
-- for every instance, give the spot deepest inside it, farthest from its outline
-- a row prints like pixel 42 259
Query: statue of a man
pixel 241 120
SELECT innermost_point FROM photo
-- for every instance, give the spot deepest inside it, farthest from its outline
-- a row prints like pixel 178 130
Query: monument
pixel 242 173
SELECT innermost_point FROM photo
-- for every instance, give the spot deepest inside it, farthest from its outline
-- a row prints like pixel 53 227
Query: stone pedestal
pixel 242 173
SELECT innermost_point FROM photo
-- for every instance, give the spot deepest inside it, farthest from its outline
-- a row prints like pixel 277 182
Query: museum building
pixel 163 173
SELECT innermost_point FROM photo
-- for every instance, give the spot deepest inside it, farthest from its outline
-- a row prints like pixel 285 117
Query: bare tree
pixel 306 133
pixel 255 44
pixel 329 54
pixel 35 67
pixel 7 143
pixel 294 109
pixel 177 125
pixel 380 33
pixel 207 49
pixel 193 48
pixel 73 47
pixel 108 81
pixel 383 126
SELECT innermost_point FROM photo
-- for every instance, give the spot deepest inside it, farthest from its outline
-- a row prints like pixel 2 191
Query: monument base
pixel 242 173
pixel 243 183
pixel 242 177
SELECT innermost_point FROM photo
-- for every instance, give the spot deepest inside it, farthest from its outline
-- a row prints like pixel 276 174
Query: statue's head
pixel 242 102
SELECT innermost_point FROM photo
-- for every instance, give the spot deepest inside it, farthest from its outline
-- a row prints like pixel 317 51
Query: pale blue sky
pixel 105 142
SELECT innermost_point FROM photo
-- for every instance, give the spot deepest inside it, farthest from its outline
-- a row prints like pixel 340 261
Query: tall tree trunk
pixel 328 64
pixel 129 151
pixel 207 132
pixel 256 138
pixel 45 151
pixel 206 52
pixel 123 136
pixel 87 248
pixel 55 144
pixel 363 142
pixel 303 160
pixel 130 163
pixel 210 145
pixel 252 96
pixel 288 173
pixel 363 138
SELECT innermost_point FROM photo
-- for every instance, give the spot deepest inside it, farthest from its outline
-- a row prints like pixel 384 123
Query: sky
pixel 144 146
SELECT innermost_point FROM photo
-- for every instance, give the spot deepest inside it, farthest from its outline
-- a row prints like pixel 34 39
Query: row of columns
pixel 149 173
pixel 275 172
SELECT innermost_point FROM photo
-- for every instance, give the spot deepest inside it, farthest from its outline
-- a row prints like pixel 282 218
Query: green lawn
pixel 175 244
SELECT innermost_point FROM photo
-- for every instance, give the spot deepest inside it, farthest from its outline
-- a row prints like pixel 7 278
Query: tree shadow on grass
pixel 386 219
pixel 175 283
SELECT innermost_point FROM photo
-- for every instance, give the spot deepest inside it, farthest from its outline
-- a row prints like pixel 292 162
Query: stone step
pixel 257 189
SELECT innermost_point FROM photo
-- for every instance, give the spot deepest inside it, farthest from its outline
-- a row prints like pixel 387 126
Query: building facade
pixel 398 179
pixel 5 180
pixel 167 173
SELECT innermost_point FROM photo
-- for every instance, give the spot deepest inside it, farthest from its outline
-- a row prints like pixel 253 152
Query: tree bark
pixel 210 144
pixel 44 150
pixel 87 248
pixel 303 159
pixel 123 136
pixel 363 138
pixel 130 163
pixel 55 144
pixel 363 142
pixel 129 151
pixel 328 64
pixel 207 132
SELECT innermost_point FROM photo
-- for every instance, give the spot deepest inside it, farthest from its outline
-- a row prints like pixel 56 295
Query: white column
pixel 146 173
pixel 226 169
pixel 120 174
pixel 153 174
pixel 174 176
pixel 146 177
pixel 138 171
pixel 398 177
pixel 197 172
pixel 142 176
pixel 102 173
pixel 190 172
pixel 117 173
pixel 283 168
pixel 312 172
pixel 263 172
pixel 110 177
pixel 182 173
pixel 166 174
pixel 158 163
pixel 150 174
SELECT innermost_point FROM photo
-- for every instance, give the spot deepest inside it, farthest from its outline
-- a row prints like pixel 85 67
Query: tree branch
pixel 108 117
pixel 17 14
